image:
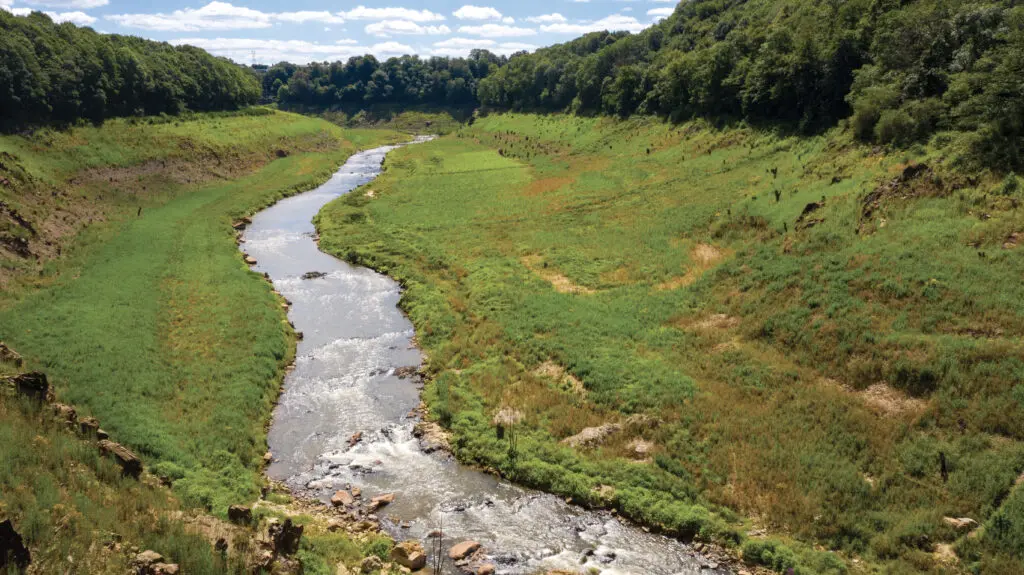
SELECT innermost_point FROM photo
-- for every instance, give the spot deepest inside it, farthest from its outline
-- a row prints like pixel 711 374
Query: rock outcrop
pixel 13 552
pixel 130 463
pixel 591 437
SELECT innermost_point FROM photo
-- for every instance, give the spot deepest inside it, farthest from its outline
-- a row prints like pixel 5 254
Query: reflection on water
pixel 344 382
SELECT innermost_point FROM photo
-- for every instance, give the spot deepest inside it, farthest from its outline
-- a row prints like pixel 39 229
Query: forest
pixel 897 72
pixel 60 74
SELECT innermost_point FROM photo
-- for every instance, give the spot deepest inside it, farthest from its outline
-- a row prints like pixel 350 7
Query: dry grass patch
pixel 561 283
pixel 564 379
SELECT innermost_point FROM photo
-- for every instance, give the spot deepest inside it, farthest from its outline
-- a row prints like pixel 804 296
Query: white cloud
pixel 660 12
pixel 468 12
pixel 302 16
pixel 77 17
pixel 460 47
pixel 220 16
pixel 508 20
pixel 627 9
pixel 612 23
pixel 386 28
pixel 4 4
pixel 364 13
pixel 213 16
pixel 296 51
pixel 78 4
pixel 580 1
pixel 547 18
pixel 496 31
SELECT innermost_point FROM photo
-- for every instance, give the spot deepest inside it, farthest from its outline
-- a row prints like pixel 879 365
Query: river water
pixel 344 382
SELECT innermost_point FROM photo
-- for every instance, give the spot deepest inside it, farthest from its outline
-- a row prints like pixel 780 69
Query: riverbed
pixel 345 383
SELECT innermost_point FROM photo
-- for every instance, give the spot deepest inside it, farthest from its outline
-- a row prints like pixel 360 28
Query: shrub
pixel 895 127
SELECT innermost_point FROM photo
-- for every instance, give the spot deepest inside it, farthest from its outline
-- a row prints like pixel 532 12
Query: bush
pixel 895 127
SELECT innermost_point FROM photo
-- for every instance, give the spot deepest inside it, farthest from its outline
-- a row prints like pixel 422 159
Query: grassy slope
pixel 152 323
pixel 655 265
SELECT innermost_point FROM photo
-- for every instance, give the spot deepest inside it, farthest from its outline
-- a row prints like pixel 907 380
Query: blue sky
pixel 315 30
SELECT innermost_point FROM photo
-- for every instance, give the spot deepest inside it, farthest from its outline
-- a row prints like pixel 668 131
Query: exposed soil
pixel 561 283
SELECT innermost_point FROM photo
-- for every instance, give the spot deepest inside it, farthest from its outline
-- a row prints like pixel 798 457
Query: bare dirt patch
pixel 704 257
pixel 546 185
pixel 888 401
pixel 561 283
pixel 568 381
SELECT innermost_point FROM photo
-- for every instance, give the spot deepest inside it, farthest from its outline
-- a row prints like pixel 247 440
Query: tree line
pixel 61 74
pixel 899 72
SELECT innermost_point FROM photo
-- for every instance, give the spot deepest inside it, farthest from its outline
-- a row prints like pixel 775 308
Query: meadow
pixel 796 335
pixel 143 315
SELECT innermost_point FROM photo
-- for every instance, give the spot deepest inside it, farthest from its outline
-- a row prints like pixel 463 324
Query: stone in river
pixel 463 550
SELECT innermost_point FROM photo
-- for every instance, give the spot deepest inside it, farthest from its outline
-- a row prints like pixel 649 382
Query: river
pixel 344 382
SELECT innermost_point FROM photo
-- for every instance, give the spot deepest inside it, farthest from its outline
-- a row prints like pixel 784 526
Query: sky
pixel 302 31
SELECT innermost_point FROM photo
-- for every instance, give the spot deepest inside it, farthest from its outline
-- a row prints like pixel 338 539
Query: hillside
pixel 122 282
pixel 720 332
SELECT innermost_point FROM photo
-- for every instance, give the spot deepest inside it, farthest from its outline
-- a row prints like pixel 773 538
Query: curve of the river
pixel 344 382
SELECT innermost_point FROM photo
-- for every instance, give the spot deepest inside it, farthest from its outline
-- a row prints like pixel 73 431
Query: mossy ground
pixel 806 373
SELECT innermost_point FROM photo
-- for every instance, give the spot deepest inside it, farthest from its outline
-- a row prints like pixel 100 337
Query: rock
pixel 100 434
pixel 382 500
pixel 240 224
pixel 164 569
pixel 13 552
pixel 341 570
pixel 89 426
pixel 485 569
pixel 32 384
pixel 313 275
pixel 960 523
pixel 409 554
pixel 129 462
pixel 221 545
pixel 65 413
pixel 148 558
pixel 8 355
pixel 240 514
pixel 249 260
pixel 592 436
pixel 281 153
pixel 356 438
pixel 370 564
pixel 463 550
pixel 285 536
pixel 342 498
pixel 356 492
pixel 432 437
pixel 406 371
pixel 641 449
pixel 268 457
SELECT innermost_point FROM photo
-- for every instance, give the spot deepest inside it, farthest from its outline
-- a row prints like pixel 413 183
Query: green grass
pixel 150 321
pixel 656 266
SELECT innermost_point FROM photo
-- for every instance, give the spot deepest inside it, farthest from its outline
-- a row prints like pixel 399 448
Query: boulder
pixel 342 498
pixel 147 558
pixel 409 554
pixel 381 501
pixel 370 564
pixel 356 438
pixel 432 437
pixel 100 434
pixel 313 275
pixel 9 355
pixel 341 570
pixel 65 413
pixel 240 514
pixel 285 537
pixel 129 462
pixel 463 550
pixel 249 260
pixel 32 384
pixel 164 569
pixel 89 427
pixel 592 436
pixel 485 569
pixel 13 552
